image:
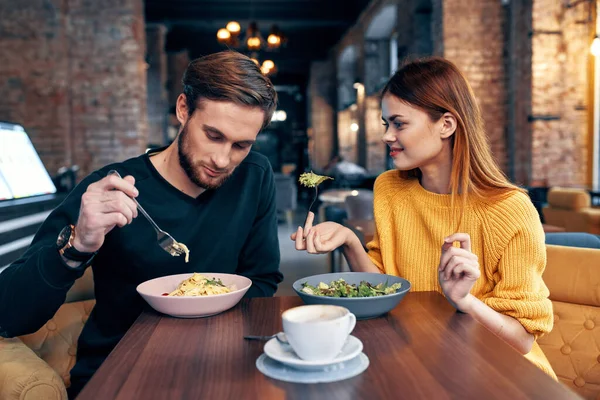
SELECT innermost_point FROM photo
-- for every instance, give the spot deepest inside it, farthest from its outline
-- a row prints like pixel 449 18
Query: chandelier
pixel 253 41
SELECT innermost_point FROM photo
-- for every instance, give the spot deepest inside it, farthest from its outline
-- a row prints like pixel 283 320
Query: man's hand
pixel 105 204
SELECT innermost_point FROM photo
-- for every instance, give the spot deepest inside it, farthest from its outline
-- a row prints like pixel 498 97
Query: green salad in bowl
pixel 341 288
pixel 366 295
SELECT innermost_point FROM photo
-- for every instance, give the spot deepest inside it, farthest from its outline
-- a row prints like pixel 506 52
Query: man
pixel 206 189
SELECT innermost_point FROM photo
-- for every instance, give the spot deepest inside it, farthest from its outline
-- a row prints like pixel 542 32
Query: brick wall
pixel 34 76
pixel 560 48
pixel 157 75
pixel 72 73
pixel 473 40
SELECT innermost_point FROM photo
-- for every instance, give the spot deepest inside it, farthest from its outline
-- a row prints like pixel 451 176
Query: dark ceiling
pixel 311 26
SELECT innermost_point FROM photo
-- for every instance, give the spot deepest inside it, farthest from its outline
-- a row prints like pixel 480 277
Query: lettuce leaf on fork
pixel 310 179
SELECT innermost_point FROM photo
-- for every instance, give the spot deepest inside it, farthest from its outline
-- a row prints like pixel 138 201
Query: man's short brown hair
pixel 228 76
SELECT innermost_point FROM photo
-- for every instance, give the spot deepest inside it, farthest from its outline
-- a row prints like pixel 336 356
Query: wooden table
pixel 338 196
pixel 421 350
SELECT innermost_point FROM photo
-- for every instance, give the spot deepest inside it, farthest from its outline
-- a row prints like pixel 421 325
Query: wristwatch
pixel 64 244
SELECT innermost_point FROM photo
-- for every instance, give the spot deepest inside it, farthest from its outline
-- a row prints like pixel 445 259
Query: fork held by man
pixel 165 240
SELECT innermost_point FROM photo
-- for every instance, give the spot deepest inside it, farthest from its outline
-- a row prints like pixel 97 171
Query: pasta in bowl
pixel 194 295
pixel 200 285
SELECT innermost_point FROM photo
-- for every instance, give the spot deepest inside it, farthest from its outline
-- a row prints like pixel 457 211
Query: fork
pixel 165 241
pixel 281 338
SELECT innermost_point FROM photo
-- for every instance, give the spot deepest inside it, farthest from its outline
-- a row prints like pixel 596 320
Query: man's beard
pixel 191 169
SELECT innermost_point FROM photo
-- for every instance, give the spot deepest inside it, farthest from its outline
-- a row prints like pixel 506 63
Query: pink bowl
pixel 192 307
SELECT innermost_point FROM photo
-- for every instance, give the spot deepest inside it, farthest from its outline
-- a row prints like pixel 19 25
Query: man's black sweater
pixel 232 229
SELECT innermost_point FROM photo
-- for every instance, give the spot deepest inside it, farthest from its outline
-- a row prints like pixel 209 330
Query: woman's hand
pixel 322 238
pixel 458 270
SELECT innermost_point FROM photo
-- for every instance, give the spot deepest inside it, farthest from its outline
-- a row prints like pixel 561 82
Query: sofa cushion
pixel 56 341
pixel 573 275
pixel 24 376
pixel 573 347
pixel 568 198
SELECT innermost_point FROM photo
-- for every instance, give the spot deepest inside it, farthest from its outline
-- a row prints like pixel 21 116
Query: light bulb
pixel 233 27
pixel 281 115
pixel 253 42
pixel 273 39
pixel 354 127
pixel 264 70
pixel 223 34
pixel 268 64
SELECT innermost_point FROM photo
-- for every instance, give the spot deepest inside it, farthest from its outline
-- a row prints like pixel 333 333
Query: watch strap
pixel 72 253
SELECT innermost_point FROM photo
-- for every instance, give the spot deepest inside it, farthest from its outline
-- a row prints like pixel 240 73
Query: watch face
pixel 63 236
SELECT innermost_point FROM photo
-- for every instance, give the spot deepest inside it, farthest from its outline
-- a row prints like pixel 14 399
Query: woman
pixel 447 219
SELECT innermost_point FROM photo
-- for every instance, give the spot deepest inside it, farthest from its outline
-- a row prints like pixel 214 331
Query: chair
pixel 335 214
pixel 37 366
pixel 571 209
pixel 573 276
pixel 286 196
pixel 360 206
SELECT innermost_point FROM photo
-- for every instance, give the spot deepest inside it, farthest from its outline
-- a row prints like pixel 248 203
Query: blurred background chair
pixel 571 209
pixel 286 198
pixel 360 206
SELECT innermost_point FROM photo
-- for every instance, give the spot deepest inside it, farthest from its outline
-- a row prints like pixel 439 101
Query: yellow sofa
pixel 37 366
pixel 573 277
pixel 571 209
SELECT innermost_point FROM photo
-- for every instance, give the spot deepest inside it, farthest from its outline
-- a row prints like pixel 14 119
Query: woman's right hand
pixel 322 238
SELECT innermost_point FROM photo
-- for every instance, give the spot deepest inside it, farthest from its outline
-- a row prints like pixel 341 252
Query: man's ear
pixel 181 109
pixel 449 125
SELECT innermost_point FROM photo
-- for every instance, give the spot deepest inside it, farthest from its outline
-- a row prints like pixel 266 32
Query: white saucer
pixel 333 373
pixel 286 355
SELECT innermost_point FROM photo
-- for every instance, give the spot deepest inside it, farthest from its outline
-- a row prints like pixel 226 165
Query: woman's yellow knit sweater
pixel 506 235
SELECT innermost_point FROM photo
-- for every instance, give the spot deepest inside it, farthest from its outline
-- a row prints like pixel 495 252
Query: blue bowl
pixel 361 307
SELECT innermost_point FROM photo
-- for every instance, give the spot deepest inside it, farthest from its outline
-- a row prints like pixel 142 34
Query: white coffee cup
pixel 318 332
